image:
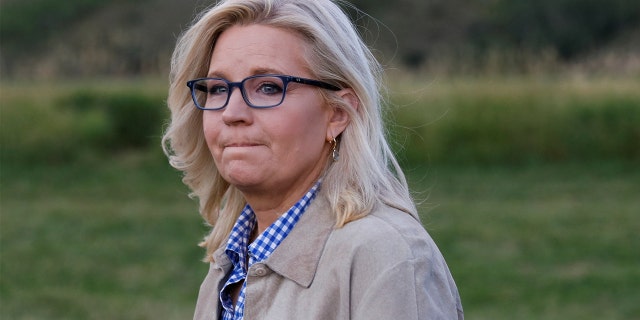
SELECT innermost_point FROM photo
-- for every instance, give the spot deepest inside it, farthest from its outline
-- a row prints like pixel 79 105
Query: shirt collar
pixel 236 248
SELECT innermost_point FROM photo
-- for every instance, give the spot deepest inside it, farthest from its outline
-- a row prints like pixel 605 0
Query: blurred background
pixel 518 124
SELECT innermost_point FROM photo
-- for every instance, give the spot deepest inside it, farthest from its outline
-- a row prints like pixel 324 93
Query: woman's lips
pixel 241 145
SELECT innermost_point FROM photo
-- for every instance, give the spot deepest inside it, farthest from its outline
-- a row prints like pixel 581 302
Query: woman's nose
pixel 237 111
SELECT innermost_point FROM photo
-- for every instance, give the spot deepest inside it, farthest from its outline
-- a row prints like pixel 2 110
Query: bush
pixel 608 128
pixel 133 120
pixel 84 122
pixel 513 123
pixel 31 132
pixel 510 121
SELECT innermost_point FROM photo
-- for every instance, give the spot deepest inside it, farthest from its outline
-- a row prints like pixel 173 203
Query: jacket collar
pixel 298 255
pixel 221 260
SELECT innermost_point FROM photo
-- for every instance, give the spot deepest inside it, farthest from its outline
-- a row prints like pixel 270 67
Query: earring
pixel 335 154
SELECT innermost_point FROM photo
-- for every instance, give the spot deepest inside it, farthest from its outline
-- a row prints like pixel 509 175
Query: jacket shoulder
pixel 385 232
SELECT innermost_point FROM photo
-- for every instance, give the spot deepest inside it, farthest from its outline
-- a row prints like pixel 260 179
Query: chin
pixel 242 180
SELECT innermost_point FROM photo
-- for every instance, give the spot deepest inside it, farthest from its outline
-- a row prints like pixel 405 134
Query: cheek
pixel 210 129
pixel 306 134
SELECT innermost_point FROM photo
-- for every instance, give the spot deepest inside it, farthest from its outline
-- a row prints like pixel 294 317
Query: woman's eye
pixel 216 90
pixel 269 88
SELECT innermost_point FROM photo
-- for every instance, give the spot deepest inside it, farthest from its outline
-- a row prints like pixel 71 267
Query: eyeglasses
pixel 261 91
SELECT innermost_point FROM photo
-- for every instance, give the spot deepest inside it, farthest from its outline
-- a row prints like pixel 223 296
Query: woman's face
pixel 280 150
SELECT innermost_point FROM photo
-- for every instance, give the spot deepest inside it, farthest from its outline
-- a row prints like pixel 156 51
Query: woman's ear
pixel 340 117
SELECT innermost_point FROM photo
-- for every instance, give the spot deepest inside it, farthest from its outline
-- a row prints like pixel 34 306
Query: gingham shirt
pixel 238 248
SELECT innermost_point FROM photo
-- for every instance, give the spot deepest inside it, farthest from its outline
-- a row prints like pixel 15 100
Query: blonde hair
pixel 366 174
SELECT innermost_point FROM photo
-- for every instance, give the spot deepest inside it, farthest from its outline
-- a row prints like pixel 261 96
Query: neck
pixel 269 205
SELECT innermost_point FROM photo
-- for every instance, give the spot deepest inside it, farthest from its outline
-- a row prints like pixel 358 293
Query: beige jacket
pixel 383 266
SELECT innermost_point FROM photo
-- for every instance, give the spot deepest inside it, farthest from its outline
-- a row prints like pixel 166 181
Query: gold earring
pixel 335 154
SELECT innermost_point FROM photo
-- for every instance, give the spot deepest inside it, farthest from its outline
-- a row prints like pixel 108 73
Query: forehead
pixel 242 51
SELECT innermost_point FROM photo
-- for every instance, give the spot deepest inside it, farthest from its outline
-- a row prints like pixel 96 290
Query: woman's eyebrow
pixel 258 71
pixel 254 72
pixel 216 74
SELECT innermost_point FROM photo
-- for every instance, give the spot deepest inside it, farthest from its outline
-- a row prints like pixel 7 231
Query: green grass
pixel 116 239
pixel 112 240
pixel 544 242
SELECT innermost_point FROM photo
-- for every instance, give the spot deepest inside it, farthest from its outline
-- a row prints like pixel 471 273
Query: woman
pixel 279 134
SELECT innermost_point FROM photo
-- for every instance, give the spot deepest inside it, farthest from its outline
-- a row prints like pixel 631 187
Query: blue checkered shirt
pixel 238 248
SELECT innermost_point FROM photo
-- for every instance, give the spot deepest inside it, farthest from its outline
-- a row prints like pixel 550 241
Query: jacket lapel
pixel 298 255
pixel 208 306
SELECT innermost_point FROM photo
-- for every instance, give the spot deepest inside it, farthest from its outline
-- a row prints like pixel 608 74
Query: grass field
pixel 116 240
pixel 541 242
pixel 529 187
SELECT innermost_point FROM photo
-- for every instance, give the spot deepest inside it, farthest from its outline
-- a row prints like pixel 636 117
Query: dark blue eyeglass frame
pixel 286 79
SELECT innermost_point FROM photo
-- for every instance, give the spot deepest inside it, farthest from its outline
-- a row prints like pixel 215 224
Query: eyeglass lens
pixel 260 92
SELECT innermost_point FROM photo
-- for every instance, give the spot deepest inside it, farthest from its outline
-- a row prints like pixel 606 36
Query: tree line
pixel 101 38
